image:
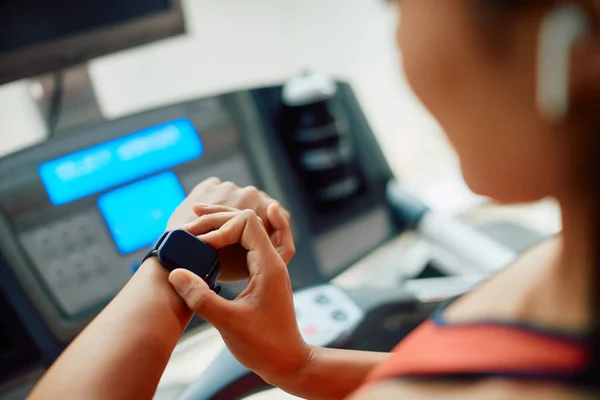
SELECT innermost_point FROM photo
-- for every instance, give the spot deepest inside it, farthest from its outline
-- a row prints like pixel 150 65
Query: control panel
pixel 324 313
pixel 78 212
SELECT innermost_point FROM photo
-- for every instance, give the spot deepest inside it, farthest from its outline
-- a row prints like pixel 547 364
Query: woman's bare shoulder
pixel 485 390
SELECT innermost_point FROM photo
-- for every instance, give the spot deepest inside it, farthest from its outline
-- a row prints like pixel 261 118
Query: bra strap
pixel 434 350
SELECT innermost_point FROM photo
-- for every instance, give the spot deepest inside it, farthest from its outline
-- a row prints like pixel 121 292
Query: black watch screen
pixel 181 249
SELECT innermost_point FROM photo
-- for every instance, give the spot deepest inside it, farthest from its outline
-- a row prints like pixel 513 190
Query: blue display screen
pixel 137 214
pixel 121 160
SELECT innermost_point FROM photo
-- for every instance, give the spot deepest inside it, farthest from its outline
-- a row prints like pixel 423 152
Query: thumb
pixel 199 297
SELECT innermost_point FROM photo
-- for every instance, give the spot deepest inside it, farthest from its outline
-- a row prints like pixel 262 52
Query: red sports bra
pixel 486 349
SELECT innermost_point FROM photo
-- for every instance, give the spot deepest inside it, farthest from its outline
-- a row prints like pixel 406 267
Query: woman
pixel 474 64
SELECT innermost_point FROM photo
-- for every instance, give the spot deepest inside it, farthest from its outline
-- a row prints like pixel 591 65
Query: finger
pixel 282 237
pixel 202 209
pixel 209 222
pixel 256 200
pixel 200 298
pixel 245 228
pixel 286 214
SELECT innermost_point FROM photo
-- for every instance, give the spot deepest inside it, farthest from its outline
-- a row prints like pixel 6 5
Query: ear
pixel 562 29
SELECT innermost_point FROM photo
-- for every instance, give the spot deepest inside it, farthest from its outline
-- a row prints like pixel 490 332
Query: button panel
pixel 77 261
pixel 325 313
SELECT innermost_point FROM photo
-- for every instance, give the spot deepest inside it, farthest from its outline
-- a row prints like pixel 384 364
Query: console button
pixel 309 330
pixel 339 315
pixel 81 266
pixel 322 299
pixel 58 271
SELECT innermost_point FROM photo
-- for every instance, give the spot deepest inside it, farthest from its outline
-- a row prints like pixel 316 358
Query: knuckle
pixel 198 187
pixel 287 255
pixel 196 305
pixel 250 215
pixel 251 191
pixel 229 185
pixel 249 196
pixel 199 209
pixel 196 302
pixel 202 219
pixel 289 251
pixel 208 181
pixel 278 271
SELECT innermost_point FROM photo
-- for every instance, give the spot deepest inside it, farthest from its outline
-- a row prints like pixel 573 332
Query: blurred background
pixel 101 102
pixel 232 44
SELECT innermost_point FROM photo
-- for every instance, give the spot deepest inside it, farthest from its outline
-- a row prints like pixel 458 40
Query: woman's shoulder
pixel 517 293
pixel 481 390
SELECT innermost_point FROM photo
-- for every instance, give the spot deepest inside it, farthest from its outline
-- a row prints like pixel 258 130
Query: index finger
pixel 246 229
pixel 282 237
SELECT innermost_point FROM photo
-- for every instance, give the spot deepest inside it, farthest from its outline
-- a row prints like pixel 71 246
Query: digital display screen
pixel 121 160
pixel 137 214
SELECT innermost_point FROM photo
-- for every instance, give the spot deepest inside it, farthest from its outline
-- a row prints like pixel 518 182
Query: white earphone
pixel 564 27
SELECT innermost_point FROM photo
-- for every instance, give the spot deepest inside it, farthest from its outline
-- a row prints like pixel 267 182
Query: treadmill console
pixel 78 212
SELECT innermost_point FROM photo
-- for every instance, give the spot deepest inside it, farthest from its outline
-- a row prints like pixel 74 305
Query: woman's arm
pixel 330 374
pixel 124 350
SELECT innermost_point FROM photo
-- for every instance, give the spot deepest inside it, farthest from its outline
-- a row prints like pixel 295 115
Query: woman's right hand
pixel 259 327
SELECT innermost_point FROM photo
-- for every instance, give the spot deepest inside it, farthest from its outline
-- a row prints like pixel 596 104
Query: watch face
pixel 181 249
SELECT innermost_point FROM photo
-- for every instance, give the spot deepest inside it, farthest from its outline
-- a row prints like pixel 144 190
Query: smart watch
pixel 180 249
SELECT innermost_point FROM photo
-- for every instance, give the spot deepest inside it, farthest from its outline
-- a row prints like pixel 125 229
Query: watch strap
pixel 211 276
pixel 153 250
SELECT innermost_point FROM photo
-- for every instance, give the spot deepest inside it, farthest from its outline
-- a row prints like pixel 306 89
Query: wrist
pixel 152 270
pixel 151 265
pixel 154 279
pixel 296 373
